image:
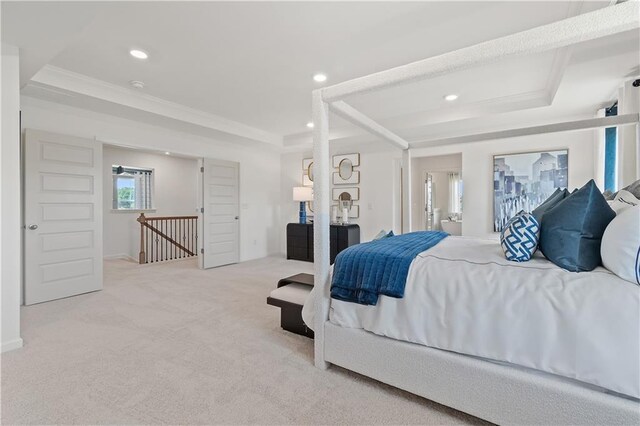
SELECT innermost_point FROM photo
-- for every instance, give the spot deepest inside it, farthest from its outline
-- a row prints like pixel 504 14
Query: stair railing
pixel 167 238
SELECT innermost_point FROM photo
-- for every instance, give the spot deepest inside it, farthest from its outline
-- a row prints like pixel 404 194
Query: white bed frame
pixel 498 393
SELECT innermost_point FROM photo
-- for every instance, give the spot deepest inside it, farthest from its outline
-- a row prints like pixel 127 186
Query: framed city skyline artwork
pixel 523 181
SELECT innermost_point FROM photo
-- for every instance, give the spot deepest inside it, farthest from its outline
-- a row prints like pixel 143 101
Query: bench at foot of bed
pixel 290 297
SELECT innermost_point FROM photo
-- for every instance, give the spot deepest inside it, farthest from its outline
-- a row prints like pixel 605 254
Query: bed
pixel 509 342
pixel 508 351
pixel 464 297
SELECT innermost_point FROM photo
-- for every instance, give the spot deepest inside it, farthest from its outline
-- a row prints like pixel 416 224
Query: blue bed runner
pixel 365 271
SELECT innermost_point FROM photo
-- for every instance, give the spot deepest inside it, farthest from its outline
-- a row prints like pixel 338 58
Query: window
pixel 611 152
pixel 132 188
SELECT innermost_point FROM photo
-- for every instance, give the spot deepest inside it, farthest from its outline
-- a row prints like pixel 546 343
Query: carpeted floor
pixel 172 344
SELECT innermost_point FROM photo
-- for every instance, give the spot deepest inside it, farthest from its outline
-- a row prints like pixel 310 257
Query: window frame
pixel 114 179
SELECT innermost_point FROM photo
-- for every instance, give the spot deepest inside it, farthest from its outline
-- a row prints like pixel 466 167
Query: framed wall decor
pixel 351 193
pixel 352 179
pixel 352 159
pixel 523 181
pixel 346 175
pixel 307 172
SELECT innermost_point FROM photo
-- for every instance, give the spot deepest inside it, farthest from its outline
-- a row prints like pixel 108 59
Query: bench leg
pixel 291 320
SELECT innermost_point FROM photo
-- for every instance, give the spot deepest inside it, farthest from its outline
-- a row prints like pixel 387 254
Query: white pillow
pixel 623 200
pixel 620 249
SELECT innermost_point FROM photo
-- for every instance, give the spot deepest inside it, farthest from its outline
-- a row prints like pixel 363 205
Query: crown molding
pixel 58 78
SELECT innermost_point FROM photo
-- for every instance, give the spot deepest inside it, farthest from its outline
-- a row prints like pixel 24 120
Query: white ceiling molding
pixel 592 123
pixel 58 78
pixel 589 26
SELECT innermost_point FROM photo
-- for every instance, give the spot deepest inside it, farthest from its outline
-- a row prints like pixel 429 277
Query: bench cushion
pixel 292 293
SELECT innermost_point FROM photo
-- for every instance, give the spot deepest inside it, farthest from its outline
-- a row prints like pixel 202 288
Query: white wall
pixel 376 187
pixel 10 199
pixel 477 168
pixel 260 223
pixel 475 159
pixel 175 182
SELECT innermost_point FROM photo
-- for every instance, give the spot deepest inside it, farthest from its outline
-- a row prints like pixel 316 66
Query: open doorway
pixel 437 193
pixel 85 201
pixel 150 205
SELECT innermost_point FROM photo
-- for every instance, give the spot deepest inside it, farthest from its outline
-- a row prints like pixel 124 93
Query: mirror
pixel 345 169
pixel 310 171
pixel 443 198
pixel 345 196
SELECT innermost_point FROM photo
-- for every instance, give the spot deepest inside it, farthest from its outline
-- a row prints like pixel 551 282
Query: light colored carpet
pixel 172 344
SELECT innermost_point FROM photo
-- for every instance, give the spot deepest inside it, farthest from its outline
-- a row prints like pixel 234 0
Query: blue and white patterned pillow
pixel 519 238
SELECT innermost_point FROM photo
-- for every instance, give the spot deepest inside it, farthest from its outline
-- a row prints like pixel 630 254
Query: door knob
pixel 237 217
pixel 33 227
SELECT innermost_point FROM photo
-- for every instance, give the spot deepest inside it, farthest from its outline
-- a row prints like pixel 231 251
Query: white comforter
pixel 464 296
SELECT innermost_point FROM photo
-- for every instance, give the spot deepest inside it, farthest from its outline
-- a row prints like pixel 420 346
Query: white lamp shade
pixel 302 193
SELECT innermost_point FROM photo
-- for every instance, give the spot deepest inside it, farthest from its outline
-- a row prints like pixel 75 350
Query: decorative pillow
pixel 622 201
pixel 620 248
pixel 633 188
pixel 549 203
pixel 380 235
pixel 383 234
pixel 519 237
pixel 571 232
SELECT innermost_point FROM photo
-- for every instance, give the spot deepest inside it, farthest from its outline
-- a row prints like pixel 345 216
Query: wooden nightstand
pixel 300 240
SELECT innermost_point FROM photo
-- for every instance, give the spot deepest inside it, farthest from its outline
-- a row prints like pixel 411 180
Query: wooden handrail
pixel 160 237
pixel 150 219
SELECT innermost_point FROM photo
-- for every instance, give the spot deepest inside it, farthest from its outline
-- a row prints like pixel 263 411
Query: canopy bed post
pixel 638 150
pixel 406 191
pixel 321 201
pixel 498 393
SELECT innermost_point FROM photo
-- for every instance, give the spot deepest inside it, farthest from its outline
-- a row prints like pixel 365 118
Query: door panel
pixel 220 219
pixel 63 216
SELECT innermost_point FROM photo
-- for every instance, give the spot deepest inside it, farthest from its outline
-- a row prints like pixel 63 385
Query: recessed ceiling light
pixel 450 98
pixel 139 54
pixel 167 153
pixel 310 124
pixel 319 78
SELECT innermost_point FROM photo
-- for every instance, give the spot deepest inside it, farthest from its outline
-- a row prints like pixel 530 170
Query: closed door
pixel 63 216
pixel 220 219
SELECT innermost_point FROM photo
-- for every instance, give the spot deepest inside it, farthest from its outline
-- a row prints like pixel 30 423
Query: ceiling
pixel 243 71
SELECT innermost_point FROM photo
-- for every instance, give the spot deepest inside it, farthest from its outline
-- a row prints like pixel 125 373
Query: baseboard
pixel 120 256
pixel 11 345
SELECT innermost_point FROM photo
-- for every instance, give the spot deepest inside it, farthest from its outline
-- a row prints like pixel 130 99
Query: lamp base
pixel 303 213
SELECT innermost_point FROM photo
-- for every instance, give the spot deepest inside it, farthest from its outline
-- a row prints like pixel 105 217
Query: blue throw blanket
pixel 365 271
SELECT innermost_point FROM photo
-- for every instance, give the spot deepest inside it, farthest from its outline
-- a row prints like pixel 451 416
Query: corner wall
pixel 378 185
pixel 175 194
pixel 377 188
pixel 10 199
pixel 477 169
pixel 259 167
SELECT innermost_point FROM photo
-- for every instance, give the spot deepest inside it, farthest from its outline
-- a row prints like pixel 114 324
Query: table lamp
pixel 303 194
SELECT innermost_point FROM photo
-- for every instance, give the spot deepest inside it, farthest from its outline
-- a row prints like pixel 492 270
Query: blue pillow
pixel 549 203
pixel 519 237
pixel 571 232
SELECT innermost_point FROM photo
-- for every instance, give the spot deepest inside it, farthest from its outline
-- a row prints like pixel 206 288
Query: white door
pixel 220 243
pixel 63 216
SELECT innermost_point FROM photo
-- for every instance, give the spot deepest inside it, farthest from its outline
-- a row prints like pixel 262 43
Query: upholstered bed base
pixel 497 393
